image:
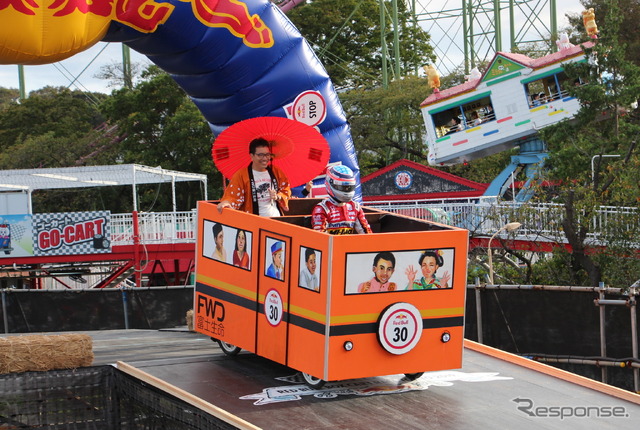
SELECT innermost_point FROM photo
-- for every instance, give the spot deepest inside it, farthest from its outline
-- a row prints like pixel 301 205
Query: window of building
pixel 468 114
pixel 549 88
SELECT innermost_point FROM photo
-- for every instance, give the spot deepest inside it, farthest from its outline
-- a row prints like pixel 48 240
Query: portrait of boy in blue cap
pixel 276 268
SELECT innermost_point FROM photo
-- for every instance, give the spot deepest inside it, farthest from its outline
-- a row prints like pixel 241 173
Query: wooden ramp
pixel 493 389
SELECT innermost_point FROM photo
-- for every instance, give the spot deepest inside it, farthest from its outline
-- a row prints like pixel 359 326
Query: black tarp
pixel 554 323
pixel 35 311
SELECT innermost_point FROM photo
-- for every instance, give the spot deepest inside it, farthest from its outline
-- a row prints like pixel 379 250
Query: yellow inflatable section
pixel 46 31
pixel 41 32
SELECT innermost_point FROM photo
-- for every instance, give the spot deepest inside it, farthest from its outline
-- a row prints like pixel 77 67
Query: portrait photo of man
pixel 309 269
pixel 276 268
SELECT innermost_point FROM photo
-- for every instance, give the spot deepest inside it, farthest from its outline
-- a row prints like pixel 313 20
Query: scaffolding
pixel 468 32
pixel 26 181
pixel 623 297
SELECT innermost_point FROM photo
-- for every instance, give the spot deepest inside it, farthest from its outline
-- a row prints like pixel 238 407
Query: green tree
pixel 53 127
pixel 56 127
pixel 154 124
pixel 607 124
pixel 48 151
pixel 387 124
pixel 8 97
pixel 57 112
pixel 160 125
pixel 346 36
pixel 628 26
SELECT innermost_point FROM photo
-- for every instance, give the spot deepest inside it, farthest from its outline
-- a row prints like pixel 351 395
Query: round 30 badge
pixel 273 307
pixel 400 328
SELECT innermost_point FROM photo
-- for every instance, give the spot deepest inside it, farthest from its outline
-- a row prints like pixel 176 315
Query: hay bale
pixel 190 319
pixel 45 352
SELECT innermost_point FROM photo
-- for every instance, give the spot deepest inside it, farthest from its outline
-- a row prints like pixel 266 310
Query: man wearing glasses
pixel 261 188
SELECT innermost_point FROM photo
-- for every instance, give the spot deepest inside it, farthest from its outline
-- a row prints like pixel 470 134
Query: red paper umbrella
pixel 299 150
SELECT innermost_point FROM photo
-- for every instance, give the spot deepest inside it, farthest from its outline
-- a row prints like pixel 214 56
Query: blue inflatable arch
pixel 243 59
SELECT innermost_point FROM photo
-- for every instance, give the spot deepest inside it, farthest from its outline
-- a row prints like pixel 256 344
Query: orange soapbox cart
pixel 332 307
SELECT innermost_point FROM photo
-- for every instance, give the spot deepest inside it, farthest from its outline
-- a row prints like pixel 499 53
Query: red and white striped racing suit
pixel 339 219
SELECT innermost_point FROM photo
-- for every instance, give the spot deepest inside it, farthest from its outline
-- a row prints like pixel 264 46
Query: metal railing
pixel 154 227
pixel 623 298
pixel 483 216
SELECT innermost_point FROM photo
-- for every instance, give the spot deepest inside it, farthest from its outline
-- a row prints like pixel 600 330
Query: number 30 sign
pixel 273 307
pixel 400 328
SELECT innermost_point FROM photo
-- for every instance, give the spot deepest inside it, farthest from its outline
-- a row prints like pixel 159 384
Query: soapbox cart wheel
pixel 227 348
pixel 413 376
pixel 312 381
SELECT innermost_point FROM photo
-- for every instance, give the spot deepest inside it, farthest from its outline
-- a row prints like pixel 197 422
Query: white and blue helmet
pixel 341 183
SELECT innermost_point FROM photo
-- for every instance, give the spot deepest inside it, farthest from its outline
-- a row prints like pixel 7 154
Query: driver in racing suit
pixel 339 214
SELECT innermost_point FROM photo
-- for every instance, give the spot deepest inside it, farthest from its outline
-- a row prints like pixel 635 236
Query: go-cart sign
pixel 400 328
pixel 71 233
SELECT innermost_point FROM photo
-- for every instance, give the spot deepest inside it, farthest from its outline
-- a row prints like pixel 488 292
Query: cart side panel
pixel 286 318
pixel 274 269
pixel 226 295
pixel 356 317
pixel 308 322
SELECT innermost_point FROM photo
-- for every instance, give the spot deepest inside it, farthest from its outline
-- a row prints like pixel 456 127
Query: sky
pixel 78 72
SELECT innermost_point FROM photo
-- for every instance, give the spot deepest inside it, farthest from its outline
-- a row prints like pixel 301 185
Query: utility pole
pixel 396 70
pixel 396 40
pixel 383 45
pixel 127 79
pixel 23 92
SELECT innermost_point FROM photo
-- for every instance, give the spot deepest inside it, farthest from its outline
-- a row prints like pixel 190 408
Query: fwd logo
pixel 212 308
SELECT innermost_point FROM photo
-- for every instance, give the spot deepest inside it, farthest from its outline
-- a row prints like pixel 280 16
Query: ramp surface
pixel 492 390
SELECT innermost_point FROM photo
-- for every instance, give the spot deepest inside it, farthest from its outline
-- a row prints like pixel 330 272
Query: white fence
pixel 160 227
pixel 484 216
pixel 481 216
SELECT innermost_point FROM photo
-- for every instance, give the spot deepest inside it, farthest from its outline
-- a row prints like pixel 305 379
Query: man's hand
pixel 307 188
pixel 223 205
pixel 273 194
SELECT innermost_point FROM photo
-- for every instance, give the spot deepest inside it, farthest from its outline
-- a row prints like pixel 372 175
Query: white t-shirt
pixel 266 205
pixel 308 280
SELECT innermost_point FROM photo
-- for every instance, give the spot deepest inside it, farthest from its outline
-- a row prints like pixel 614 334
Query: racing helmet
pixel 341 183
